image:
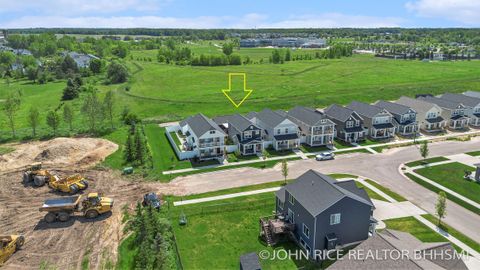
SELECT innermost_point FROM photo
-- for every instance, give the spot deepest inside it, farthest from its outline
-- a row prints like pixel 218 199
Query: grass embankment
pixel 475 153
pixel 387 191
pixel 426 161
pixel 450 230
pixel 449 196
pixel 451 176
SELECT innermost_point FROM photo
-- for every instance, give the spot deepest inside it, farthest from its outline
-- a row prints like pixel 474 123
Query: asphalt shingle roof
pixel 316 192
pixel 416 104
pixel 268 117
pixel 391 240
pixel 240 122
pixel 338 112
pixel 475 94
pixel 465 100
pixel 200 124
pixel 306 115
pixel 443 103
pixel 393 107
pixel 365 109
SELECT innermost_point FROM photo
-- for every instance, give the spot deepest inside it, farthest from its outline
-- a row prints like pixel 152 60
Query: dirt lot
pixel 64 245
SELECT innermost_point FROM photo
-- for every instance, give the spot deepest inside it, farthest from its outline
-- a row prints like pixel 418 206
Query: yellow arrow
pixel 247 91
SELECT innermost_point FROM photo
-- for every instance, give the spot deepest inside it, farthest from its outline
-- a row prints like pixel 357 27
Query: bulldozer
pixel 8 245
pixel 70 184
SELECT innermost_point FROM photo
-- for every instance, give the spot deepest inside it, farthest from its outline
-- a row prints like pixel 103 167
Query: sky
pixel 239 14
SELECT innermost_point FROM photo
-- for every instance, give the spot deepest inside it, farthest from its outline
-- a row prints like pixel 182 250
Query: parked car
pixel 325 156
pixel 151 199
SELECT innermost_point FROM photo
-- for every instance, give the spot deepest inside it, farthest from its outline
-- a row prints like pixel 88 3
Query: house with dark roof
pixel 82 60
pixel 378 120
pixel 404 117
pixel 314 126
pixel 250 261
pixel 326 214
pixel 203 136
pixel 280 132
pixel 472 106
pixel 245 134
pixel 348 124
pixel 452 111
pixel 474 94
pixel 429 115
pixel 415 254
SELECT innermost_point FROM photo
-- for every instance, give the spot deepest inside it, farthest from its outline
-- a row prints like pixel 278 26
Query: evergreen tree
pixel 139 147
pixel 129 152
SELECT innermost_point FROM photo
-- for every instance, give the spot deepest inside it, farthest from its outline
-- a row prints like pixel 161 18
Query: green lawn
pixel 426 161
pixel 175 138
pixel 341 144
pixel 460 236
pixel 372 194
pixel 234 158
pixel 416 228
pixel 216 240
pixel 309 149
pixel 369 142
pixel 361 150
pixel 275 153
pixel 475 153
pixel 127 249
pixel 387 191
pixel 449 196
pixel 451 176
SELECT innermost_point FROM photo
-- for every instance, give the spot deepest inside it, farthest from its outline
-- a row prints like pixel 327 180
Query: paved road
pixel 382 168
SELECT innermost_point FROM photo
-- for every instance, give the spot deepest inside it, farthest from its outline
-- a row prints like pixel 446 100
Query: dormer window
pixel 212 131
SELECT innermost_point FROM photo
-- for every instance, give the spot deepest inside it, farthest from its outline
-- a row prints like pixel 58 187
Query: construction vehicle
pixel 62 208
pixel 8 245
pixel 70 184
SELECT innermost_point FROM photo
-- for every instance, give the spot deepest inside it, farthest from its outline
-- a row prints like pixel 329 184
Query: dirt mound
pixel 63 245
pixel 81 152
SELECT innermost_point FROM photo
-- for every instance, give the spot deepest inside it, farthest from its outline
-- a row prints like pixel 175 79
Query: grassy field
pixel 216 240
pixel 426 161
pixel 451 176
pixel 475 153
pixel 417 229
pixel 450 230
pixel 449 196
pixel 387 191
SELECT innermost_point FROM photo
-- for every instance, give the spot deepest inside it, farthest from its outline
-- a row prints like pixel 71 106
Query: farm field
pixel 169 92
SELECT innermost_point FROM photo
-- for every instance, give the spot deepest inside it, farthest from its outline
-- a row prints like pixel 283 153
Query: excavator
pixel 8 245
pixel 70 184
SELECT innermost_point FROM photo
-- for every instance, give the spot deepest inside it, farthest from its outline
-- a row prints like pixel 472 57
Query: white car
pixel 325 156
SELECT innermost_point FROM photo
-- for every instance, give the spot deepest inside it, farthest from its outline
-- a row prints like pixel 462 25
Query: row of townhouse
pixel 250 134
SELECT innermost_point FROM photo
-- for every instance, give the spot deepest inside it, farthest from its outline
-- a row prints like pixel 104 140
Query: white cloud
pixel 75 7
pixel 464 11
pixel 251 20
pixel 335 20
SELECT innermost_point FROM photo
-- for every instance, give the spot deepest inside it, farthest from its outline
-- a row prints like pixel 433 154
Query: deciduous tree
pixel 33 119
pixel 68 115
pixel 441 206
pixel 53 121
pixel 109 106
pixel 285 170
pixel 11 106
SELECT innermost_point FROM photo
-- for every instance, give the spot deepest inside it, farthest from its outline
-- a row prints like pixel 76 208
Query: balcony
pixel 211 144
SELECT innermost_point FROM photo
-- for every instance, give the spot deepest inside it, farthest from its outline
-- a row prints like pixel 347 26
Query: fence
pixel 182 155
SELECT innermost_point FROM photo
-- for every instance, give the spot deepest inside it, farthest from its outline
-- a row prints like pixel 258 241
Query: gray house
pixel 453 111
pixel 244 133
pixel 416 254
pixel 280 132
pixel 472 105
pixel 326 214
pixel 348 124
pixel 429 115
pixel 378 120
pixel 404 117
pixel 315 128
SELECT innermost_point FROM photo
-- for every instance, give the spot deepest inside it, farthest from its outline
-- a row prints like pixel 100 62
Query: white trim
pixel 303 230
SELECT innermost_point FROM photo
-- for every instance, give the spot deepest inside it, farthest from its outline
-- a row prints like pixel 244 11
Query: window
pixel 335 219
pixel 306 231
pixel 286 130
pixel 291 199
pixel 281 204
pixel 278 131
pixel 291 216
pixel 357 123
pixel 349 124
pixel 212 132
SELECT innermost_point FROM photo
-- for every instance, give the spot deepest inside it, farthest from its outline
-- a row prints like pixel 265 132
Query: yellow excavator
pixel 8 245
pixel 70 184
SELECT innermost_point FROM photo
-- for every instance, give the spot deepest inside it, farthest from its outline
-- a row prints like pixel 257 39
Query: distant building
pixel 285 42
pixel 82 60
pixel 3 36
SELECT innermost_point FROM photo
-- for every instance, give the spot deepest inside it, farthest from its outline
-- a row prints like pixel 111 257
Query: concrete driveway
pixel 383 168
pixel 388 210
